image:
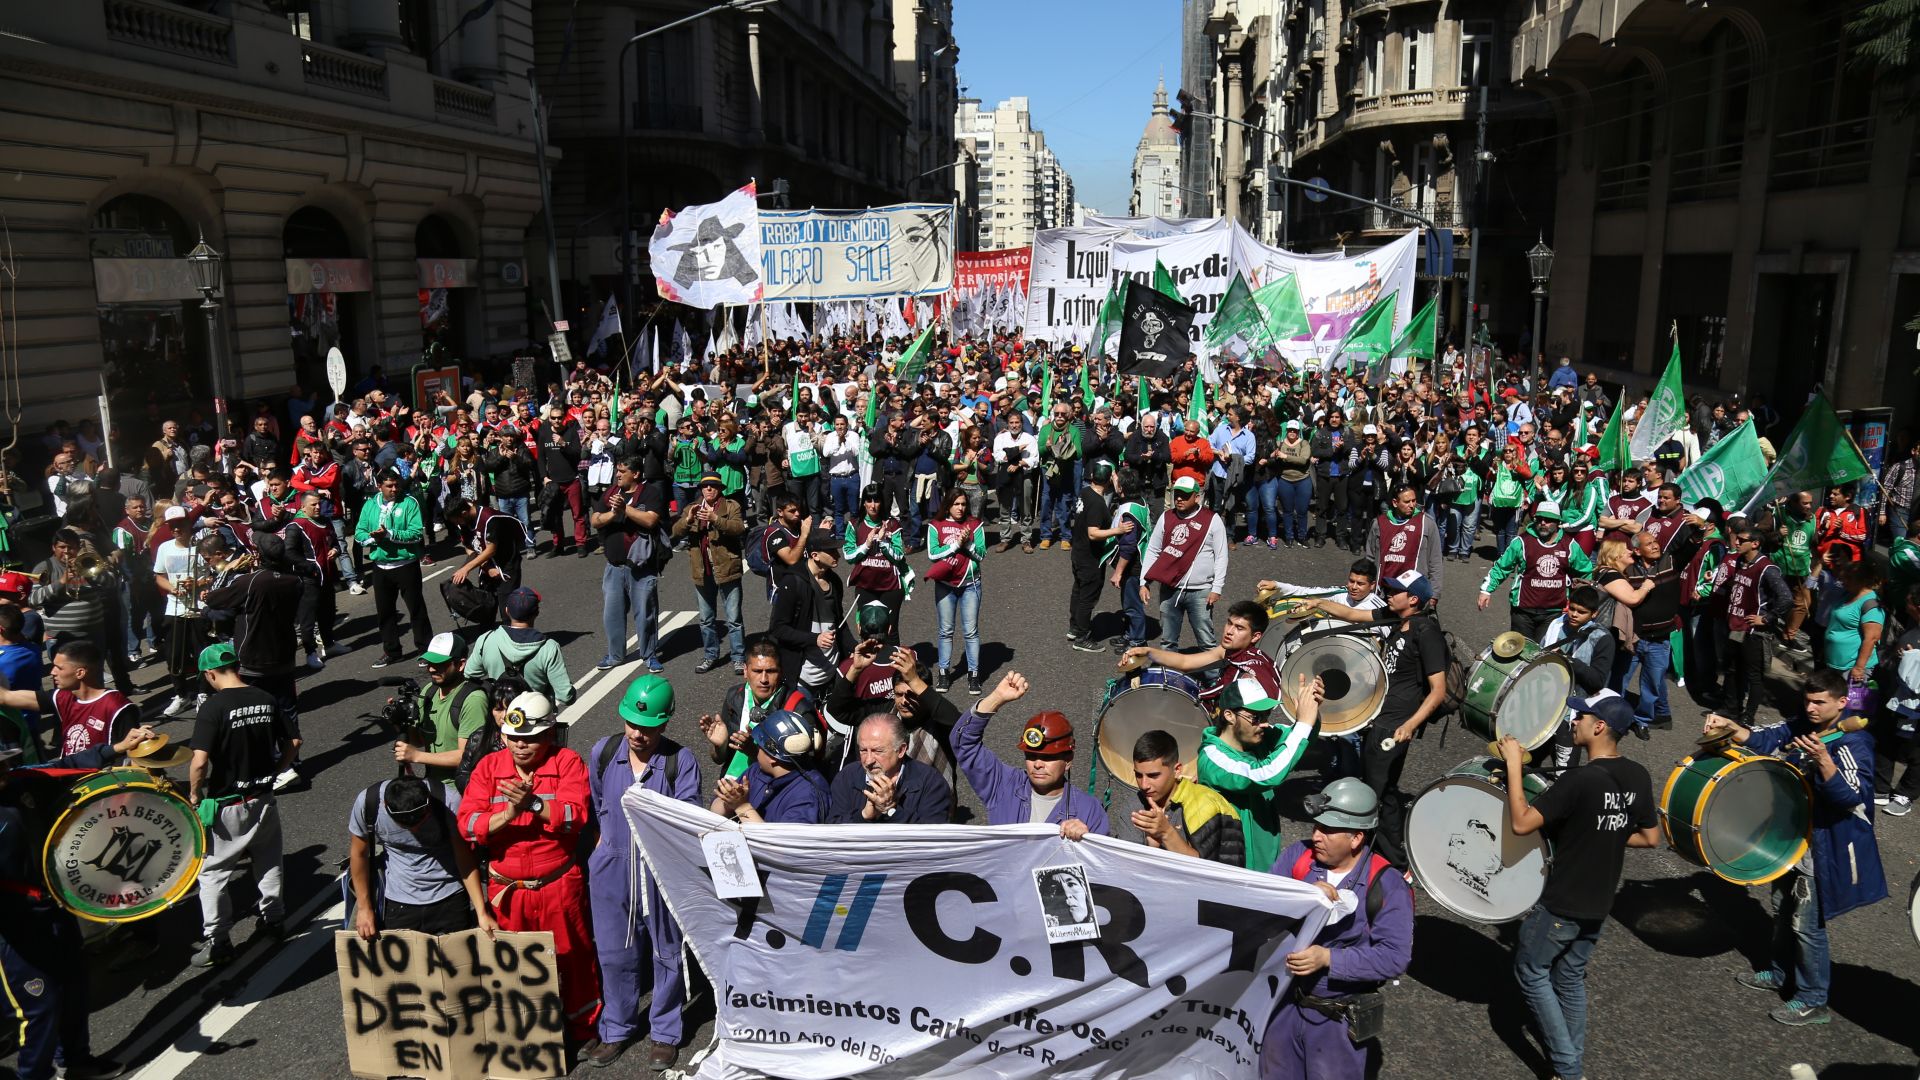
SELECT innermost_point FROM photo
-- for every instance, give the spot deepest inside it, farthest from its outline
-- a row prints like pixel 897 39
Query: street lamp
pixel 205 262
pixel 1540 265
pixel 626 191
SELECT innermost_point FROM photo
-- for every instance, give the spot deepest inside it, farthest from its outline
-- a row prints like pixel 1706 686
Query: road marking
pixel 289 957
pixel 618 676
pixel 581 683
pixel 442 570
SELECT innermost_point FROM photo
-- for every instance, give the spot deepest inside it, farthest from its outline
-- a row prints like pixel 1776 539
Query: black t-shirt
pixel 508 539
pixel 1092 511
pixel 1412 656
pixel 618 535
pixel 1657 611
pixel 1590 811
pixel 242 730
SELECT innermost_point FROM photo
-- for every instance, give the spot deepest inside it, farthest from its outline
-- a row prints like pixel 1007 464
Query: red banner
pixel 978 269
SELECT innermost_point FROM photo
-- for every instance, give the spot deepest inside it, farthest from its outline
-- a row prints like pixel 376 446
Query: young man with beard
pixel 391 533
pixel 1405 537
pixel 1039 794
pixel 1246 757
pixel 1621 517
pixel 764 690
pixel 1187 557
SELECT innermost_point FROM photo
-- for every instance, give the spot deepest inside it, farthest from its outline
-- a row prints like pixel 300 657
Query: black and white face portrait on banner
pixel 1067 902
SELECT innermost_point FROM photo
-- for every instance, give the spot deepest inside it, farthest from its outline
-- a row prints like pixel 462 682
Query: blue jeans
pixel 1550 964
pixel 1056 508
pixel 1263 509
pixel 625 598
pixel 1800 936
pixel 962 601
pixel 515 505
pixel 844 492
pixel 720 612
pixel 685 495
pixel 1461 523
pixel 1296 497
pixel 1653 658
pixel 1134 609
pixel 343 557
pixel 1191 603
pixel 1506 526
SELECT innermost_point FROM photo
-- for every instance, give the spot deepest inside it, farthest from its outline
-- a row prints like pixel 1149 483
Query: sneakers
pixel 1250 540
pixel 1797 1013
pixel 706 665
pixel 1273 543
pixel 316 661
pixel 333 650
pixel 286 778
pixel 941 681
pixel 1881 798
pixel 386 660
pixel 1760 980
pixel 607 663
pixel 740 668
pixel 974 686
pixel 211 952
pixel 1901 806
pixel 357 589
pixel 1088 644
pixel 655 667
pixel 1066 545
pixel 179 706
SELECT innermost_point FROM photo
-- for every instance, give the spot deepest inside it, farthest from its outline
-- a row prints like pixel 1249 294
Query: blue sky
pixel 1087 68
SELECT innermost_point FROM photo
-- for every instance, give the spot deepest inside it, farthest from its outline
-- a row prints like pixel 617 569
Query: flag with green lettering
pixel 1420 338
pixel 1666 411
pixel 1730 472
pixel 1819 454
pixel 1370 336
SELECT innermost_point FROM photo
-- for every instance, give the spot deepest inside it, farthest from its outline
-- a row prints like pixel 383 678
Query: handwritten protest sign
pixel 453 1007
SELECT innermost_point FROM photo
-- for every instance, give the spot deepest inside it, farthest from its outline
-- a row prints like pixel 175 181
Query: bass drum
pixel 126 848
pixel 1349 665
pixel 1745 816
pixel 1465 855
pixel 1517 688
pixel 1149 699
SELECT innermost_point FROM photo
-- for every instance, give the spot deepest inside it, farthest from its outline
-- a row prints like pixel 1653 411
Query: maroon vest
pixel 1743 591
pixel 1664 529
pixel 1625 507
pixel 1400 544
pixel 1546 572
pixel 876 572
pixel 1180 543
pixel 952 569
pixel 319 546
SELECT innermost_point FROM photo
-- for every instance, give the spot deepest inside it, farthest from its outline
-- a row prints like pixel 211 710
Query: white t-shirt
pixel 170 559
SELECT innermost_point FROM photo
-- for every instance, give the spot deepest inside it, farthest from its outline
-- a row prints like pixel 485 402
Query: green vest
pixel 1507 492
pixel 1795 556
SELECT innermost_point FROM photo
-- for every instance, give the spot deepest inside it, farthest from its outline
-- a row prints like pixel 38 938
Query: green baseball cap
pixel 649 702
pixel 1249 695
pixel 218 655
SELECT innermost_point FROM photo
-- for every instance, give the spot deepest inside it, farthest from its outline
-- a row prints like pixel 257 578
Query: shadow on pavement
pixel 1878 1001
pixel 1699 915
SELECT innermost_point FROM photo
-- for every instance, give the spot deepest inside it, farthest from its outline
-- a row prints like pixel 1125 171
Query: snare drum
pixel 1745 816
pixel 127 847
pixel 1146 700
pixel 1348 664
pixel 1524 696
pixel 1464 853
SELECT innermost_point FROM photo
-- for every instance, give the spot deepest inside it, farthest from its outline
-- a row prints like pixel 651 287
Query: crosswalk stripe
pixel 617 677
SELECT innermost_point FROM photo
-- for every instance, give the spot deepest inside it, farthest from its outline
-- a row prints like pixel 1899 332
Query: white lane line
pixel 220 1019
pixel 450 566
pixel 617 677
pixel 594 673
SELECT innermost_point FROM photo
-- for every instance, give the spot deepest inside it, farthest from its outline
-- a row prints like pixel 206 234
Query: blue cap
pixel 1606 705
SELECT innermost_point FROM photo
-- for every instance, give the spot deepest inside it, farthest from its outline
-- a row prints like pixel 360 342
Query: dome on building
pixel 1159 130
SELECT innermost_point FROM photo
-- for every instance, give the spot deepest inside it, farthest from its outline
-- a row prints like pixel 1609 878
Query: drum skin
pixel 1355 677
pixel 127 847
pixel 1913 906
pixel 1744 816
pixel 1463 849
pixel 1151 698
pixel 1525 697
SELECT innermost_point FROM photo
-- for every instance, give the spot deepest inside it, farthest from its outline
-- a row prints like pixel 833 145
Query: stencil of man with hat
pixel 712 255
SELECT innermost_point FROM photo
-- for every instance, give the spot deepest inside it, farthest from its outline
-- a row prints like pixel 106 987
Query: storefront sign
pixel 430 383
pixel 139 281
pixel 329 275
pixel 449 273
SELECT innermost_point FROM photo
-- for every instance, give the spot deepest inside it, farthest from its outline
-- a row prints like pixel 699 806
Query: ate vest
pixel 1743 591
pixel 876 572
pixel 1400 544
pixel 1180 543
pixel 1626 508
pixel 1547 572
pixel 1665 527
pixel 952 569
pixel 320 544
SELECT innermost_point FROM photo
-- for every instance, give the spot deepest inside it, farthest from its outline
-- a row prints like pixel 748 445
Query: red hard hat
pixel 1048 732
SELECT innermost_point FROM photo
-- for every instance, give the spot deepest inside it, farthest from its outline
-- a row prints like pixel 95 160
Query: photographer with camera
pixel 766 463
pixel 443 717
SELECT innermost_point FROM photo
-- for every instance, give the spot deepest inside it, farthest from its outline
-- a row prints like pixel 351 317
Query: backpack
pixel 754 551
pixel 484 742
pixel 610 746
pixel 370 809
pixel 1456 679
pixel 1375 864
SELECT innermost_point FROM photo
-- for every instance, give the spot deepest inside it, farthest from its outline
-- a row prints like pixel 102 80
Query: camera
pixel 401 714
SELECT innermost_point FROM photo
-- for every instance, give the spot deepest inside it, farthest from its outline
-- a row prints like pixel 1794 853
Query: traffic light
pixel 1276 188
pixel 780 191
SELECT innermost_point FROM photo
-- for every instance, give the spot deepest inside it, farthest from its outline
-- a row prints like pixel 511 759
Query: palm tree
pixel 1884 37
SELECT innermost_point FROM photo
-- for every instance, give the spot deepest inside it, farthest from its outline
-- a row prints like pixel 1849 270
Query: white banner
pixel 948 951
pixel 1074 268
pixel 904 250
pixel 709 254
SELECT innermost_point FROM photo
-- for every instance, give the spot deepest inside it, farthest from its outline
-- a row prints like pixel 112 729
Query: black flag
pixel 1156 333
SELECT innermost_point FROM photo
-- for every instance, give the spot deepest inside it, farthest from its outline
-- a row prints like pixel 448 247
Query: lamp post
pixel 1540 265
pixel 626 190
pixel 206 277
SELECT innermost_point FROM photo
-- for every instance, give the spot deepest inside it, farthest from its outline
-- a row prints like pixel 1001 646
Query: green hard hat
pixel 1346 803
pixel 649 702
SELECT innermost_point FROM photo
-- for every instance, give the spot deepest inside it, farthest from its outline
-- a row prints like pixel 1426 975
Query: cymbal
pixel 153 754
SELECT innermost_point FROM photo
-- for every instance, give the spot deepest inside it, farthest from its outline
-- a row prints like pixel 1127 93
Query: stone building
pixel 1021 187
pixel 1156 164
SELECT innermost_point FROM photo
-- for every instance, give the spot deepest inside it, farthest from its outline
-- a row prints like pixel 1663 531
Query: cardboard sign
pixel 453 1007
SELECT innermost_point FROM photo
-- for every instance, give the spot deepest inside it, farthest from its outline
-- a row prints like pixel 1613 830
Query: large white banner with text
pixel 947 951
pixel 904 250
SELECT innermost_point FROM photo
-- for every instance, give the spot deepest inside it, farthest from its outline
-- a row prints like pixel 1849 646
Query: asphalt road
pixel 1664 1000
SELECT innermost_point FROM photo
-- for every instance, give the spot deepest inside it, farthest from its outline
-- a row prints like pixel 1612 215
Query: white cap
pixel 175 513
pixel 1547 509
pixel 1369 430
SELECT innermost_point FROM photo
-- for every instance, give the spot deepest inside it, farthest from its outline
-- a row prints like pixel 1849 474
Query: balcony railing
pixel 1711 172
pixel 171 29
pixel 1317 45
pixel 1623 187
pixel 461 100
pixel 343 70
pixel 1821 156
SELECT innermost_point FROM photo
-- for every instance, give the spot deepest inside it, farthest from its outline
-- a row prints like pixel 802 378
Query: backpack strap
pixel 370 807
pixel 668 750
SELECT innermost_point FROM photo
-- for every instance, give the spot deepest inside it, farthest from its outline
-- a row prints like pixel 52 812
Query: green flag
pixel 1163 282
pixel 1046 390
pixel 1730 472
pixel 907 369
pixel 1086 388
pixel 1666 411
pixel 1613 442
pixel 1197 407
pixel 1419 338
pixel 1817 455
pixel 1107 325
pixel 1371 335
pixel 1285 312
pixel 1238 318
pixel 793 402
pixel 873 407
pixel 1146 399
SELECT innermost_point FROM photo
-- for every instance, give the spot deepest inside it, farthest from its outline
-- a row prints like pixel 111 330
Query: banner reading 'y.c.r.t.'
pixel 949 951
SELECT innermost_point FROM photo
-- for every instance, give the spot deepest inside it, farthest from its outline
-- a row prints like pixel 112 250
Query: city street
pixel 1665 1003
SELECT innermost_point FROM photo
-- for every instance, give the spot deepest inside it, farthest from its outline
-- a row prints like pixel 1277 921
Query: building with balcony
pixel 828 96
pixel 1198 93
pixel 1156 164
pixel 1242 33
pixel 1725 168
pixel 1021 186
pixel 367 169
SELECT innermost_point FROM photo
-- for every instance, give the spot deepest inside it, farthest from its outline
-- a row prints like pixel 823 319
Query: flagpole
pixel 764 358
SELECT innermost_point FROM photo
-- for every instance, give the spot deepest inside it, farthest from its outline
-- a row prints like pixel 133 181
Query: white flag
pixel 656 350
pixel 608 327
pixel 682 344
pixel 709 254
